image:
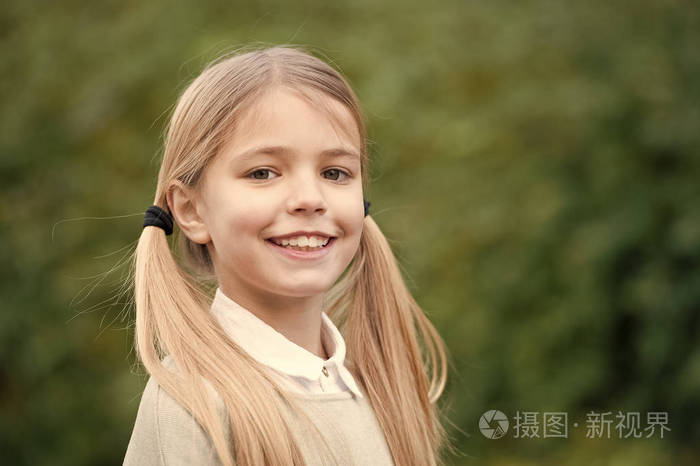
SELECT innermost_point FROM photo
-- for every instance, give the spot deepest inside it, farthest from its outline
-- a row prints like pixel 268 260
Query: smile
pixel 302 242
pixel 305 250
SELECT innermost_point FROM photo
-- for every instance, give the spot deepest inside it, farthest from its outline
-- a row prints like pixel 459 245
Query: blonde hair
pixel 394 352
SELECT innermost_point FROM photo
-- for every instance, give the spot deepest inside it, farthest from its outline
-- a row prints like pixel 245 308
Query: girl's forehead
pixel 280 108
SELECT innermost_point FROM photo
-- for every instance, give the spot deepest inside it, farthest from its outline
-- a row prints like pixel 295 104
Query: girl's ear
pixel 182 201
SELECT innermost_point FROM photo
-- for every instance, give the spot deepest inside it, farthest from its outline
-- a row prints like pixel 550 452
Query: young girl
pixel 263 172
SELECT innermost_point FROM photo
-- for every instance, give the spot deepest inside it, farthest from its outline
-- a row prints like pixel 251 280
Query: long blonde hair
pixel 394 352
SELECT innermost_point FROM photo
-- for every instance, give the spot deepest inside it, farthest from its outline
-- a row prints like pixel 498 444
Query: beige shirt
pixel 166 434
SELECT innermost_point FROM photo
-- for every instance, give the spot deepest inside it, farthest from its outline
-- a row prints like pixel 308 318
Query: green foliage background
pixel 535 165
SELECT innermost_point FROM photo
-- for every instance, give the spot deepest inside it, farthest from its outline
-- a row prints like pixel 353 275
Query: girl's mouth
pixel 305 252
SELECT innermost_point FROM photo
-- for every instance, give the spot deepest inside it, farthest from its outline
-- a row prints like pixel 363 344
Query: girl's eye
pixel 260 171
pixel 337 173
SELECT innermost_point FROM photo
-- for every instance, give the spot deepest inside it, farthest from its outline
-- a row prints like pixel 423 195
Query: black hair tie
pixel 157 217
pixel 366 207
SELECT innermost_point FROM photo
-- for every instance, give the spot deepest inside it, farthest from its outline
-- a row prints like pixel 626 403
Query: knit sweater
pixel 165 434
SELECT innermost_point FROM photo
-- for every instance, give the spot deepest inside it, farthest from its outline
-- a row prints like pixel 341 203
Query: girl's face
pixel 285 170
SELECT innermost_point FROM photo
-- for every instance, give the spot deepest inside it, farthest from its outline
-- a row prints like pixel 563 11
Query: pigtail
pixel 384 328
pixel 165 301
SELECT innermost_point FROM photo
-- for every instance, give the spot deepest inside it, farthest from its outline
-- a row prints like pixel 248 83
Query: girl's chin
pixel 302 284
pixel 301 292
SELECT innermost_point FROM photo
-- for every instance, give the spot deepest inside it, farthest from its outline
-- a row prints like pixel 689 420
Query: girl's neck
pixel 298 319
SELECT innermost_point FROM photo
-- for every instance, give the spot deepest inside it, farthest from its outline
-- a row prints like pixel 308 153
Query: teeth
pixel 303 241
pixel 314 242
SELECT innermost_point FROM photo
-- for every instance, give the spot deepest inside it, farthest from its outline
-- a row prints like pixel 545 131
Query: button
pixel 325 371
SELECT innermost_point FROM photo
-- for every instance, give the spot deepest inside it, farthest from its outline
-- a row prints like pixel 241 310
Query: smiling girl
pixel 282 331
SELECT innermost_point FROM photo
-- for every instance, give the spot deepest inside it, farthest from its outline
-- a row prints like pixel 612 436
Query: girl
pixel 263 172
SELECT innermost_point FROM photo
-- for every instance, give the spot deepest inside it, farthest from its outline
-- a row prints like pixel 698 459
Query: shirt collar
pixel 269 347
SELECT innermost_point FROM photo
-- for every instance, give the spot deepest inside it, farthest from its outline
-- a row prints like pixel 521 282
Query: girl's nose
pixel 306 196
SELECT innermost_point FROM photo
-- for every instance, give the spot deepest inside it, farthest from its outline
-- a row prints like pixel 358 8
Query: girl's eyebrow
pixel 283 150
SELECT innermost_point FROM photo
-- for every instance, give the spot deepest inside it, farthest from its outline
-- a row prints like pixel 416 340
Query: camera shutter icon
pixel 493 424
